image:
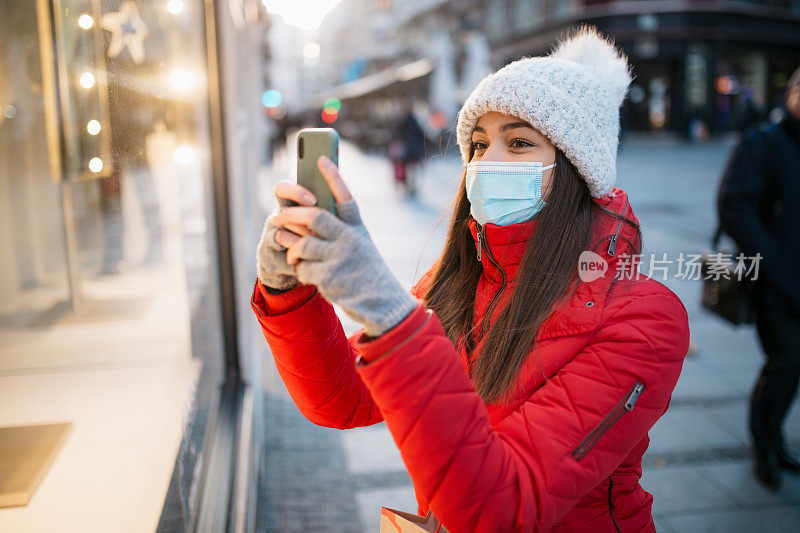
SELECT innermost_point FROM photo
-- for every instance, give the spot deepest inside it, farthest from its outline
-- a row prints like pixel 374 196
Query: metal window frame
pixel 228 480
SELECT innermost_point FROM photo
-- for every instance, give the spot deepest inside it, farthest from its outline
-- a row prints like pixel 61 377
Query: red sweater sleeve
pixel 524 474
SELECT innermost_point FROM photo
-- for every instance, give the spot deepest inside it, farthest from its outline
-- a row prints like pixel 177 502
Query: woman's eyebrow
pixel 507 126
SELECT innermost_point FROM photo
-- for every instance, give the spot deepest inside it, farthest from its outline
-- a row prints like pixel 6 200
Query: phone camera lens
pixel 300 148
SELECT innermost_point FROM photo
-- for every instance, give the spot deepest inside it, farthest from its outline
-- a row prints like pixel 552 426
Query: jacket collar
pixel 580 310
pixel 502 247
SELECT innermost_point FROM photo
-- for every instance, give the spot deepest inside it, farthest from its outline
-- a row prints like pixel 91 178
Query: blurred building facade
pixel 702 67
pixel 714 64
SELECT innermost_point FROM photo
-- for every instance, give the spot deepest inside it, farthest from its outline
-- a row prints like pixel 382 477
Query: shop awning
pixel 377 81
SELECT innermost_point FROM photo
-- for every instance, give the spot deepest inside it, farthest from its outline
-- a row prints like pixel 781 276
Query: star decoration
pixel 128 30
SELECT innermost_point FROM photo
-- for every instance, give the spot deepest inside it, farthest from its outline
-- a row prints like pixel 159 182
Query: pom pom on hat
pixel 571 96
pixel 589 48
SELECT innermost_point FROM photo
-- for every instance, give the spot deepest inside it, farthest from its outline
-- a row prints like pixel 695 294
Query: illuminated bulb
pixel 96 165
pixel 87 80
pixel 311 50
pixel 85 21
pixel 175 6
pixel 93 127
pixel 181 79
pixel 184 155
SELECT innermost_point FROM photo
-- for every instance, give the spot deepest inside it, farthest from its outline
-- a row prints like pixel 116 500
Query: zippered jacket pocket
pixel 625 405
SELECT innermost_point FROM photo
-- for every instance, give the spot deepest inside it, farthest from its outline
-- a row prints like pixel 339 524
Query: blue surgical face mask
pixel 505 192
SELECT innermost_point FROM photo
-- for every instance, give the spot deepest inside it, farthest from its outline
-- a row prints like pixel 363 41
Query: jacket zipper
pixel 612 245
pixel 490 308
pixel 626 404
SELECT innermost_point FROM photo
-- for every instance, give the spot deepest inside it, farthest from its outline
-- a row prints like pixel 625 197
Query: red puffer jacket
pixel 566 454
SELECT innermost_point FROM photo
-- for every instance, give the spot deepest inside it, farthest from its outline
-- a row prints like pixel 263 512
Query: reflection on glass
pixel 93 127
pixel 120 221
pixel 85 21
pixel 175 7
pixel 87 80
pixel 181 79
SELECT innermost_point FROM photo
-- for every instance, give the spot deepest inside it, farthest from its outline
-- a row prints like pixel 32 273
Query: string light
pixel 93 127
pixel 311 50
pixel 87 80
pixel 96 165
pixel 85 21
pixel 175 6
pixel 181 79
pixel 184 155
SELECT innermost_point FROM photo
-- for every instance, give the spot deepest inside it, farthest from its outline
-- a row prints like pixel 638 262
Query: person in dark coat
pixel 413 138
pixel 758 207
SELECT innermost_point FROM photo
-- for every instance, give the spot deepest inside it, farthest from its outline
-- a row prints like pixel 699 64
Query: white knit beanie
pixel 571 96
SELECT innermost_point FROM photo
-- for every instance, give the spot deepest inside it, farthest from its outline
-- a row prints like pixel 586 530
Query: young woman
pixel 521 375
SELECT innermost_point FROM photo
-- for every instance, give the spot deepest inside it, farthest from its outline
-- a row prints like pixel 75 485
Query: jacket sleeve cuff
pixel 371 349
pixel 277 304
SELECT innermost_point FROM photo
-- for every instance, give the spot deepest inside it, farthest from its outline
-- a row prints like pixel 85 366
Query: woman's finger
pixel 286 238
pixel 294 192
pixel 293 251
pixel 298 229
pixel 297 215
pixel 335 182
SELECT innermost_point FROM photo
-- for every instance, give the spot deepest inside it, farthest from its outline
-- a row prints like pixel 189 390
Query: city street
pixel 698 465
pixel 140 145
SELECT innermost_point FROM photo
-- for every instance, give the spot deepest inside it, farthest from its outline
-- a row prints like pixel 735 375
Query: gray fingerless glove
pixel 348 270
pixel 272 268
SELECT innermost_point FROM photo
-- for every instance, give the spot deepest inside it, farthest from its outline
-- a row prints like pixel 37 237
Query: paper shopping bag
pixel 393 521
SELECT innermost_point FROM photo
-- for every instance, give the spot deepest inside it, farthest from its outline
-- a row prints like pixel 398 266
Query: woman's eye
pixel 523 141
pixel 516 143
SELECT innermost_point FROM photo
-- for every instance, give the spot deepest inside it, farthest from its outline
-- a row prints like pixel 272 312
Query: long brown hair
pixel 547 273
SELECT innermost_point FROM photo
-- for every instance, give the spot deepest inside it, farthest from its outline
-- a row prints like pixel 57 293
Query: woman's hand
pixel 272 268
pixel 338 256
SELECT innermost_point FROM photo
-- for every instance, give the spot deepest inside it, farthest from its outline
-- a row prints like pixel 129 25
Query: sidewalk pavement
pixel 698 466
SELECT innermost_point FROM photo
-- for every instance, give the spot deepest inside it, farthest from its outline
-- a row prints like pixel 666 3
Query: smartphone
pixel 312 143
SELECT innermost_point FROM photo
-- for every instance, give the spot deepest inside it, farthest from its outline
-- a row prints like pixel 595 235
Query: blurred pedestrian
pixel 521 376
pixel 413 138
pixel 759 207
pixel 132 114
pixel 395 151
pixel 749 114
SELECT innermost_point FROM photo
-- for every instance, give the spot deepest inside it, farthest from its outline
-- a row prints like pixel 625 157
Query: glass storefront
pixel 649 101
pixel 111 324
